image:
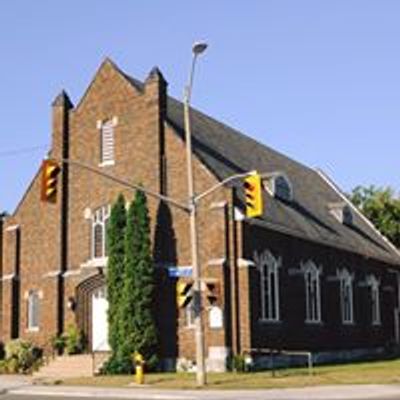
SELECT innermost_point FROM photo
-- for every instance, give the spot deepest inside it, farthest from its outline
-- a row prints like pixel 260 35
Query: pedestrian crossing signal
pixel 253 195
pixel 50 171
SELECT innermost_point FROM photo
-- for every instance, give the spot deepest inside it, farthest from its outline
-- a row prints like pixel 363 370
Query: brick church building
pixel 311 274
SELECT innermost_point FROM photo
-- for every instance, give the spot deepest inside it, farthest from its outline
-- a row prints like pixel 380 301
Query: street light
pixel 197 49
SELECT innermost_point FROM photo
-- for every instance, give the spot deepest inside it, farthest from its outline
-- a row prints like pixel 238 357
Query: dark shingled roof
pixel 225 151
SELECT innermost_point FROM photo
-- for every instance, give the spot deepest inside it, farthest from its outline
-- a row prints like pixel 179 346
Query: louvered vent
pixel 107 142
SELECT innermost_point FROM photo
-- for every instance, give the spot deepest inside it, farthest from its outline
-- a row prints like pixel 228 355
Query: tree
pixel 146 331
pixel 115 275
pixel 140 330
pixel 382 207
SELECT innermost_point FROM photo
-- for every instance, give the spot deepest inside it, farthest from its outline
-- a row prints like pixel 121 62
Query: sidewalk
pixel 347 392
pixel 8 382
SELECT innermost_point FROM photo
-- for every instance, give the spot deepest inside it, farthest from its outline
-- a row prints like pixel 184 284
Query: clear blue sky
pixel 317 80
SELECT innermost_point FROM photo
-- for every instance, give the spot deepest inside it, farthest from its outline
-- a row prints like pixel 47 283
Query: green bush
pixel 58 344
pixel 238 363
pixel 3 367
pixel 21 356
pixel 73 340
pixel 117 366
pixel 12 366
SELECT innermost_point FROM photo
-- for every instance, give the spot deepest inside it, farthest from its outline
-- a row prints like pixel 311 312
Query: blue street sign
pixel 180 272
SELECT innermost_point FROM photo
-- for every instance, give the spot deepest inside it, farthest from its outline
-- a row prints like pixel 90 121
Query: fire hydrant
pixel 139 368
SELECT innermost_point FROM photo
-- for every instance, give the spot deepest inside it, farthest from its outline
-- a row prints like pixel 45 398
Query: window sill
pixel 95 263
pixel 270 321
pixel 107 164
pixel 308 322
pixel 33 329
pixel 376 324
pixel 187 328
pixel 348 323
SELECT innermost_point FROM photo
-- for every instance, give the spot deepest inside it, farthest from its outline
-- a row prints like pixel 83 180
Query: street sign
pixel 180 271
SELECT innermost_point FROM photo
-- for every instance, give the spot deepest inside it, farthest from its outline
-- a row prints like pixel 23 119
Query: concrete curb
pixel 347 392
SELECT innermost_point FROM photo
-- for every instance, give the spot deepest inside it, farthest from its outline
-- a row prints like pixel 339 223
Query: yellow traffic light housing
pixel 213 293
pixel 253 195
pixel 50 171
pixel 183 293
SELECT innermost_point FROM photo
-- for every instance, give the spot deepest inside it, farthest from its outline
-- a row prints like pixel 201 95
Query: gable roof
pixel 225 151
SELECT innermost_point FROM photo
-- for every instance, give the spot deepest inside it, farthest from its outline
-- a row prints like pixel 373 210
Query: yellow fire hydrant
pixel 139 368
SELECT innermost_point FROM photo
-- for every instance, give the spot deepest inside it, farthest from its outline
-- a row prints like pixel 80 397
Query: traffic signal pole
pixel 191 209
pixel 198 314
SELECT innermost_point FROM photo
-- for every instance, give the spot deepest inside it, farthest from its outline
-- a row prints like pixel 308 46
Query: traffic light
pixel 253 194
pixel 213 293
pixel 183 293
pixel 50 171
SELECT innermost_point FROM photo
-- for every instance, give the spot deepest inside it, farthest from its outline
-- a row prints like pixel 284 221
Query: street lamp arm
pixel 125 183
pixel 222 183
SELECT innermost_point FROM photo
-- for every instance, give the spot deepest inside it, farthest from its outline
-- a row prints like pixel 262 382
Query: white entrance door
pixel 99 320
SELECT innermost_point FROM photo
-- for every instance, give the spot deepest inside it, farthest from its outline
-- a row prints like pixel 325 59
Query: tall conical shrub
pixel 115 274
pixel 139 287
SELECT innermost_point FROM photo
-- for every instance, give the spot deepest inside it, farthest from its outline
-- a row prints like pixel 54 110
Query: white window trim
pixel 96 220
pixel 310 268
pixel 30 327
pixel 188 310
pixel 107 163
pixel 374 284
pixel 100 124
pixel 345 278
pixel 266 261
pixel 270 185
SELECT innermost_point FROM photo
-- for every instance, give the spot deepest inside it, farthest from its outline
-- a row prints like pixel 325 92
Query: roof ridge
pixel 243 135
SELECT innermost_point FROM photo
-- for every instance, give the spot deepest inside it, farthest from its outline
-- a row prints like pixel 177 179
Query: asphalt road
pixel 41 397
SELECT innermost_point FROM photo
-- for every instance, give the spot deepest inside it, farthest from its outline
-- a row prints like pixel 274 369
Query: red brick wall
pixel 142 140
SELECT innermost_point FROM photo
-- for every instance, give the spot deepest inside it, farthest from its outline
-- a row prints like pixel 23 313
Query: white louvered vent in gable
pixel 107 142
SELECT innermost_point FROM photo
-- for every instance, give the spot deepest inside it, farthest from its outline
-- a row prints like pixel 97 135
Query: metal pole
pixel 198 320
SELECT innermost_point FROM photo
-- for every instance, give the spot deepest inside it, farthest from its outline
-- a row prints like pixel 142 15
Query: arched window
pixel 347 215
pixel 342 212
pixel 375 300
pixel 313 292
pixel 278 185
pixel 282 188
pixel 99 232
pixel 268 266
pixel 346 296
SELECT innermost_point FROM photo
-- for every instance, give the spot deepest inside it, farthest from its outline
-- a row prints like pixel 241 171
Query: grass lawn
pixel 384 372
